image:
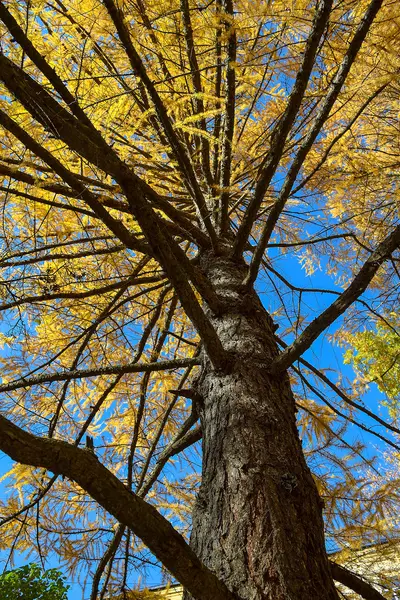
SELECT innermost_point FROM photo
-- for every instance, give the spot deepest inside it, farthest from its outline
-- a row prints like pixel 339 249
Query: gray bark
pixel 257 522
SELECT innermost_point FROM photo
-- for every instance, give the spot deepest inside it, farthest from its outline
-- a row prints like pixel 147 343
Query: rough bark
pixel 257 522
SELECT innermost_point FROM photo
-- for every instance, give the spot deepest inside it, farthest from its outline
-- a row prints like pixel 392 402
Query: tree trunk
pixel 257 522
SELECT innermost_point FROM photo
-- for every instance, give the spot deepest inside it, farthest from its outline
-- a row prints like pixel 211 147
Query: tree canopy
pixel 137 139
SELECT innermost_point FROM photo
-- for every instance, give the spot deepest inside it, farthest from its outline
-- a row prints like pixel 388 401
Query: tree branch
pixel 284 124
pixel 344 397
pixel 36 249
pixel 180 224
pixel 97 372
pixel 117 227
pixel 43 184
pixel 346 418
pixel 176 447
pixel 177 148
pixel 21 38
pixel 62 205
pixel 60 256
pixel 170 255
pixel 109 492
pixel 338 307
pixel 323 113
pixel 338 137
pixel 217 92
pixel 78 295
pixel 81 138
pixel 198 99
pixel 45 169
pixel 183 439
pixel 354 582
pixel 58 120
pixel 105 559
pixel 229 116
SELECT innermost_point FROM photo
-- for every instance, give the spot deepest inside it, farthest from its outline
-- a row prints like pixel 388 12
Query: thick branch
pixel 58 120
pixel 354 582
pixel 81 138
pixel 108 491
pixel 340 305
pixel 218 83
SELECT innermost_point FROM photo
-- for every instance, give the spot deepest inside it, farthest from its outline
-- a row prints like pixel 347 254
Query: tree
pixel 165 164
pixel 375 354
pixel 31 583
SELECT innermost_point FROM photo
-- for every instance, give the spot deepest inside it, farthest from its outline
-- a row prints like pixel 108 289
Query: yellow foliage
pixel 77 298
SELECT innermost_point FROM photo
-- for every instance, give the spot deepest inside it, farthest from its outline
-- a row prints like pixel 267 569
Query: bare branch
pixel 354 582
pixel 310 241
pixel 338 307
pixel 183 440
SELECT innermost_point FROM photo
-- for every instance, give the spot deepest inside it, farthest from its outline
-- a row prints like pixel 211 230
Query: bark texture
pixel 257 522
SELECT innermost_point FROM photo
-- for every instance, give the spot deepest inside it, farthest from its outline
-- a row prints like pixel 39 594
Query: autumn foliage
pixel 137 137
